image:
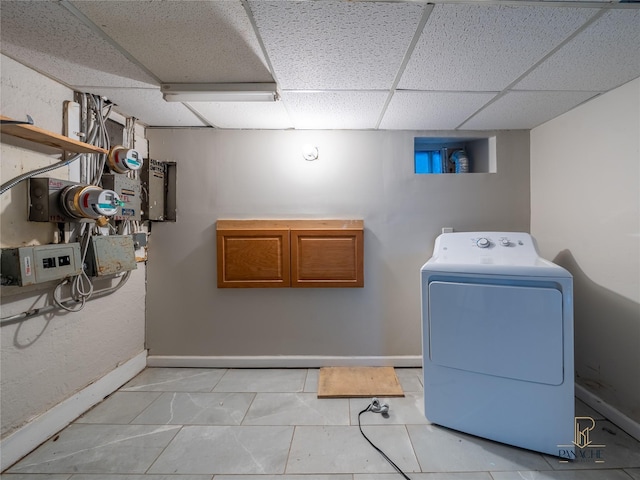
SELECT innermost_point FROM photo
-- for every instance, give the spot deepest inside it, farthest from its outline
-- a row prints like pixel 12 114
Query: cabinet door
pixel 253 258
pixel 327 258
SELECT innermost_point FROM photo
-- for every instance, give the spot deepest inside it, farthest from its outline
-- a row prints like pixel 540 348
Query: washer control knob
pixel 483 242
pixel 505 242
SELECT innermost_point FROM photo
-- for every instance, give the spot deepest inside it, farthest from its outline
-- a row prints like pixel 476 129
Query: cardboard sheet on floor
pixel 343 382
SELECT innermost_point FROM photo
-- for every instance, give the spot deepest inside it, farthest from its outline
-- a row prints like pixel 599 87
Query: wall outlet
pixel 447 230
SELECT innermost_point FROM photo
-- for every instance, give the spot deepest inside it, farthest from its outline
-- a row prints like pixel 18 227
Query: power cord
pixel 376 407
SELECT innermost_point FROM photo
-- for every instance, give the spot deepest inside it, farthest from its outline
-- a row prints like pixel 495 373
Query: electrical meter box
pixel 159 185
pixel 128 189
pixel 40 263
pixel 44 200
pixel 110 254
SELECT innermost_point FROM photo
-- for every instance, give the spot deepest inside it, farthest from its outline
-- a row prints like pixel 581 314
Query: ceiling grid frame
pixel 134 87
pixel 426 13
pixel 98 31
pixel 247 9
pixel 508 88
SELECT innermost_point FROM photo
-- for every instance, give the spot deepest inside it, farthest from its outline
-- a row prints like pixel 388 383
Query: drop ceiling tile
pixel 336 45
pixel 486 47
pixel 263 115
pixel 48 38
pixel 525 110
pixel 431 110
pixel 149 107
pixel 334 110
pixel 184 41
pixel 605 55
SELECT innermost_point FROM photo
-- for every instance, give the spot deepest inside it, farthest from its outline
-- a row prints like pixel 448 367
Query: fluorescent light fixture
pixel 219 92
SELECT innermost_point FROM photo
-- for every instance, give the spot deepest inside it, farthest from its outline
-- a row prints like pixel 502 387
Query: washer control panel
pixel 485 247
pixel 501 241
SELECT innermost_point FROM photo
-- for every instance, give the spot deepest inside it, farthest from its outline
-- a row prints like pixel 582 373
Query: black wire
pixel 380 451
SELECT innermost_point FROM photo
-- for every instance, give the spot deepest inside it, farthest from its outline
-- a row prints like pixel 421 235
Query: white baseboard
pixel 283 361
pixel 43 427
pixel 609 412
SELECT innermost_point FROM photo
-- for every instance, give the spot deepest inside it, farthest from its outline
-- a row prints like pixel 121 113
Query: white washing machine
pixel 497 346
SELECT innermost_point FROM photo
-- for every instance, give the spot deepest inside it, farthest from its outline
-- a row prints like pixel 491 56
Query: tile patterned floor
pixel 227 424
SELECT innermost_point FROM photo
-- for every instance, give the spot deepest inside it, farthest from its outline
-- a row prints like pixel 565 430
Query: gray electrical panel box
pixel 40 263
pixel 44 200
pixel 110 254
pixel 128 189
pixel 159 186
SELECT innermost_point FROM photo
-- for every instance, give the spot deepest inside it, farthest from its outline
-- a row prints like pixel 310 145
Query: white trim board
pixel 609 412
pixel 43 427
pixel 282 361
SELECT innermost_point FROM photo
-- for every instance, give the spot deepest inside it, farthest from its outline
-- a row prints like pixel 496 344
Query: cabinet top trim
pixel 290 224
pixel 45 137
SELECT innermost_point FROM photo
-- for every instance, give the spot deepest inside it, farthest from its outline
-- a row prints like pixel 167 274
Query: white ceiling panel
pixel 336 45
pixel 525 110
pixel 334 110
pixel 336 62
pixel 431 110
pixel 46 37
pixel 148 106
pixel 486 47
pixel 265 115
pixel 184 41
pixel 605 55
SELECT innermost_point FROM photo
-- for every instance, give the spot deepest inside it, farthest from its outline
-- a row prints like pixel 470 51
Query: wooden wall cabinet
pixel 290 253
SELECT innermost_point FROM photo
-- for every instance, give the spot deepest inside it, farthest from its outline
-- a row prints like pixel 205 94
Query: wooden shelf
pixel 44 137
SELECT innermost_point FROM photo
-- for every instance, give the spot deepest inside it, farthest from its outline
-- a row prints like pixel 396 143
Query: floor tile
pixel 283 477
pixel 175 380
pixel 584 410
pixel 119 408
pixel 337 449
pixel 268 424
pixel 619 450
pixel 427 476
pixel 195 408
pixel 297 409
pixel 565 475
pixel 443 450
pixel 410 379
pixel 35 476
pixel 402 410
pixel 141 477
pixel 99 449
pixel 232 450
pixel 633 473
pixel 262 380
pixel 311 382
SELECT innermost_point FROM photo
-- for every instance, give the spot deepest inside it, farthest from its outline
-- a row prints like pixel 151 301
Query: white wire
pixel 59 303
pixel 92 168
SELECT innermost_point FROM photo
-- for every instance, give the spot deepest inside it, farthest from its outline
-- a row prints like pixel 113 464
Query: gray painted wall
pixel 361 175
pixel 585 199
pixel 48 358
